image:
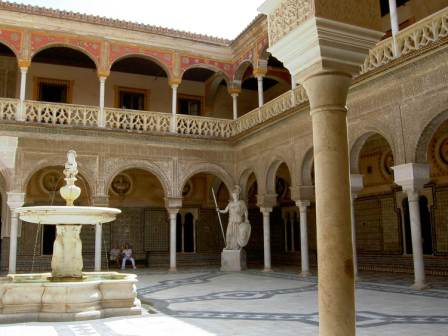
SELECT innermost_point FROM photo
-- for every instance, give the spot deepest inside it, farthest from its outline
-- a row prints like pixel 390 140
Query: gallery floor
pixel 208 302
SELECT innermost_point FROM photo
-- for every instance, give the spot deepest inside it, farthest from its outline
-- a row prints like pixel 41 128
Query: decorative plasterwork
pixel 287 16
pixel 325 44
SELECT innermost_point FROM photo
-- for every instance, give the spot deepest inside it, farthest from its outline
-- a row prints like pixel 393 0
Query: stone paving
pixel 209 302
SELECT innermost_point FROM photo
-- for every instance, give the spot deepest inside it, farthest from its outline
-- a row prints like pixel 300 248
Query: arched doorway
pixel 63 75
pixel 137 82
pixel 143 222
pixel 203 92
pixel 8 72
pixel 379 226
pixel 200 237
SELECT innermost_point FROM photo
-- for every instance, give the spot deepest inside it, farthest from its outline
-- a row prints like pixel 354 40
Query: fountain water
pixel 67 293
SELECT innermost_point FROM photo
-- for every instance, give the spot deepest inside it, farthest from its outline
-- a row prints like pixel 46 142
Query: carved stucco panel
pixel 288 16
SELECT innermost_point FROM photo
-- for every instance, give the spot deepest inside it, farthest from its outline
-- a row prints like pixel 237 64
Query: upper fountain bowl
pixel 67 214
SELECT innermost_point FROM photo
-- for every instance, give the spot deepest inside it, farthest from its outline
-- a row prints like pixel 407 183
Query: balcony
pixel 35 112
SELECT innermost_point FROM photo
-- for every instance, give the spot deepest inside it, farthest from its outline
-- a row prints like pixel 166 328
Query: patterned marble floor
pixel 209 302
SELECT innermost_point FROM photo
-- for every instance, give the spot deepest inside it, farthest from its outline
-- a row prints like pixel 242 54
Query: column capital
pixel 234 90
pixel 265 211
pixel 259 72
pixel 303 204
pixel 174 203
pixel 174 82
pixel 356 184
pixel 103 74
pixel 412 176
pixel 15 200
pixel 23 63
pixel 267 200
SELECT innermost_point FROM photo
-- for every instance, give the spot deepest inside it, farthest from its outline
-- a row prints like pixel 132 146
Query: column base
pixel 305 274
pixel 172 270
pixel 420 286
pixel 267 269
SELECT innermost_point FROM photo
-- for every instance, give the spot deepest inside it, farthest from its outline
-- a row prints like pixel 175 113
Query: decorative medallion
pixel 187 190
pixel 51 181
pixel 386 164
pixel 121 185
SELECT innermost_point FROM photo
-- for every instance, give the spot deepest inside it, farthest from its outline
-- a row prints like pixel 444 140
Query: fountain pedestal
pixel 67 262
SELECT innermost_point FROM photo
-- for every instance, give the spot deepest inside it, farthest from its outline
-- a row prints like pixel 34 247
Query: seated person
pixel 127 255
pixel 115 254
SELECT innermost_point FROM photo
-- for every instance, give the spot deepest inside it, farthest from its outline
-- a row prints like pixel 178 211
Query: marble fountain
pixel 67 293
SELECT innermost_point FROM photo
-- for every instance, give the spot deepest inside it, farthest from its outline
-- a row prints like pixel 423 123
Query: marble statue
pixel 238 229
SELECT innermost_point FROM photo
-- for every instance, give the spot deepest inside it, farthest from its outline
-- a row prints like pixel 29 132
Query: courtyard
pixel 204 302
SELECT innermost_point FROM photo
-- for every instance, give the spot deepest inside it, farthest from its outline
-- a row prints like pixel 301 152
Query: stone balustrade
pixel 204 127
pixel 148 121
pixel 60 114
pixel 8 108
pixel 418 36
pixel 140 121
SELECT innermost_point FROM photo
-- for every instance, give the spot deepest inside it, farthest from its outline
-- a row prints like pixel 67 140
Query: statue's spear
pixel 219 216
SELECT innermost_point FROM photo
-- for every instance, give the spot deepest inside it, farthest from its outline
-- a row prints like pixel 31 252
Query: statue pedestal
pixel 233 260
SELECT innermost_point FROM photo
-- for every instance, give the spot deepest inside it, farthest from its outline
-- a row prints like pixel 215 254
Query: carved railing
pixel 8 108
pixel 271 109
pixel 146 121
pixel 276 106
pixel 206 127
pixel 429 30
pixel 133 120
pixel 247 121
pixel 61 114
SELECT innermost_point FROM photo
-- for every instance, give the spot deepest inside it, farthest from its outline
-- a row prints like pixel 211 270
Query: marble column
pixel 173 216
pixel 417 243
pixel 393 16
pixel 99 201
pixel 13 242
pixel 412 178
pixel 327 92
pixel 14 201
pixel 235 105
pixel 356 185
pixel 267 238
pixel 304 257
pixel 324 62
pixel 21 113
pixel 260 90
pixel 174 85
pixel 98 244
pixel 102 114
pixel 394 25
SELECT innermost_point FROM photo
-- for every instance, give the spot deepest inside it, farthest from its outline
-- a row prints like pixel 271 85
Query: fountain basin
pixel 33 297
pixel 59 215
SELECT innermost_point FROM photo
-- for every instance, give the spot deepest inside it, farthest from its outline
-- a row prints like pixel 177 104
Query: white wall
pixel 86 85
